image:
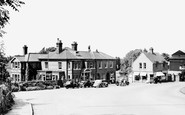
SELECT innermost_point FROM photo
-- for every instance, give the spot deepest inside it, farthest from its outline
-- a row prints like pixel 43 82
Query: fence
pixel 6 98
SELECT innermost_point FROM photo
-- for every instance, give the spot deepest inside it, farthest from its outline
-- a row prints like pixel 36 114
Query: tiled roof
pixel 34 57
pixel 68 53
pixel 20 58
pixel 154 57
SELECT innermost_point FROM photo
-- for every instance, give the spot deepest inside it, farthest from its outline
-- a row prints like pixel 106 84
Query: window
pixel 69 65
pixel 75 65
pixel 59 65
pixel 16 64
pixel 46 64
pixel 140 65
pixel 144 65
pixel 100 64
pixel 111 64
pixel 91 65
pixel 106 64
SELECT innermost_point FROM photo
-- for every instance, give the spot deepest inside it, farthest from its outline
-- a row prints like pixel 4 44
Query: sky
pixel 114 27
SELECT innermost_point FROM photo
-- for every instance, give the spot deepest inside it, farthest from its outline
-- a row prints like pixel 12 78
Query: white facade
pixel 142 66
pixel 15 72
pixel 57 68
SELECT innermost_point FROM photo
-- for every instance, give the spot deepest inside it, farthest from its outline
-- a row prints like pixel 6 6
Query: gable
pixel 15 60
pixel 142 58
pixel 178 53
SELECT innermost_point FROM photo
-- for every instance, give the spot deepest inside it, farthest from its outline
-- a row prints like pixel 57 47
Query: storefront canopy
pixel 174 72
pixel 136 73
pixel 159 74
pixel 142 74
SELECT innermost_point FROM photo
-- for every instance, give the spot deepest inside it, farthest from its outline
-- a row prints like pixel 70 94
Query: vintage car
pixel 100 83
pixel 71 84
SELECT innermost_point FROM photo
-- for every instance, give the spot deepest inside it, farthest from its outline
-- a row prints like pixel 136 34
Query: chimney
pixel 25 49
pixel 59 46
pixel 152 50
pixel 89 48
pixel 74 46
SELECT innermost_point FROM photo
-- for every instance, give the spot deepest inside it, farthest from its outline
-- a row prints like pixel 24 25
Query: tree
pixel 118 63
pixel 47 50
pixel 4 13
pixel 126 64
pixel 166 56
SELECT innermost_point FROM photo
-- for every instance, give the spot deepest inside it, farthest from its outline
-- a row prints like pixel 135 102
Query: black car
pixel 71 84
pixel 88 83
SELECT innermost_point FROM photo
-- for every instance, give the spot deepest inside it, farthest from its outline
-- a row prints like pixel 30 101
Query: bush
pixel 7 99
pixel 33 88
pixel 15 88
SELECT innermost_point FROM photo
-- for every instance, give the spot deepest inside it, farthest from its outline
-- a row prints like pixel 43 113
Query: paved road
pixel 136 99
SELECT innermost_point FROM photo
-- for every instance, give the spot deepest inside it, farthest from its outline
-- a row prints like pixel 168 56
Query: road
pixel 135 99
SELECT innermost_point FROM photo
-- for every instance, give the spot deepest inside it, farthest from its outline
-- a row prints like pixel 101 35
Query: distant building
pixel 177 66
pixel 148 65
pixel 64 63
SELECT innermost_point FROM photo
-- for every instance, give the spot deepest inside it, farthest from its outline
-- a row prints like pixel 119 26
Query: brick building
pixel 177 66
pixel 64 63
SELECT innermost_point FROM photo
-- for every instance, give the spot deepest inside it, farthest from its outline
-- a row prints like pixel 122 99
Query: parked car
pixel 71 84
pixel 155 80
pixel 100 83
pixel 88 83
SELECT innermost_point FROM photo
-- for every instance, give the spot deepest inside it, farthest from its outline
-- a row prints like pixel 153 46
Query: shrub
pixel 33 88
pixel 15 88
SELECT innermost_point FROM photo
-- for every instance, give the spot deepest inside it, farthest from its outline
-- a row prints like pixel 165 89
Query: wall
pixel 142 59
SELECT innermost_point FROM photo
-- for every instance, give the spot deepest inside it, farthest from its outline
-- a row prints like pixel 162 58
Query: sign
pixel 182 67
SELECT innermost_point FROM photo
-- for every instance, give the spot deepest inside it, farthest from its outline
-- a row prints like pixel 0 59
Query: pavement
pixel 182 90
pixel 23 107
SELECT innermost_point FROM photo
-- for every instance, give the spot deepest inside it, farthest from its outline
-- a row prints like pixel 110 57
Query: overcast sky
pixel 114 27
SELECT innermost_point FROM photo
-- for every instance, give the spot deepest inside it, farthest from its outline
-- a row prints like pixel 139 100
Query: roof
pixel 178 55
pixel 68 53
pixel 154 57
pixel 34 57
pixel 31 57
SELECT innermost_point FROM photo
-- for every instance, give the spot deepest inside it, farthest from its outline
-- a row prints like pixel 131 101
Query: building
pixel 148 65
pixel 65 63
pixel 177 66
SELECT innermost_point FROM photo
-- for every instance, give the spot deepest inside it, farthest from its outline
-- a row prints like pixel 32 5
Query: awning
pixel 159 74
pixel 142 74
pixel 136 73
pixel 174 72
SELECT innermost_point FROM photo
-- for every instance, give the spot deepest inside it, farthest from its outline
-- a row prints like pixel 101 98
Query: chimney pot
pixel 89 48
pixel 74 46
pixel 152 50
pixel 25 49
pixel 59 46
